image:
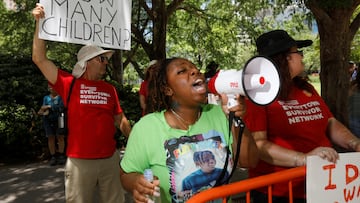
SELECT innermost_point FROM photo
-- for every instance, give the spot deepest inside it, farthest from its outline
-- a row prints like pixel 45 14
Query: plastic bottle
pixel 149 176
pixel 61 121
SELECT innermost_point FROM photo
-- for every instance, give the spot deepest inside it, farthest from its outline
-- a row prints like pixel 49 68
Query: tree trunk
pixel 159 30
pixel 336 34
pixel 334 54
pixel 117 69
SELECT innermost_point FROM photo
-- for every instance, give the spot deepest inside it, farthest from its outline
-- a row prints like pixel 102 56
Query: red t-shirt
pixel 91 111
pixel 143 88
pixel 143 91
pixel 299 123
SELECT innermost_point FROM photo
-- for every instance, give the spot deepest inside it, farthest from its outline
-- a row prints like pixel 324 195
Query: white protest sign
pixel 106 23
pixel 327 182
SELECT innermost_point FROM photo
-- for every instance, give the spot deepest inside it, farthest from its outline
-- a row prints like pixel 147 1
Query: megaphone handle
pixel 232 101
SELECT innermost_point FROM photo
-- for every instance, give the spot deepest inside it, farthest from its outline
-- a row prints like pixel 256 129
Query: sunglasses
pixel 300 52
pixel 103 59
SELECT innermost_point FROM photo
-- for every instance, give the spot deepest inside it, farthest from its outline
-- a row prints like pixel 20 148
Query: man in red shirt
pixel 93 109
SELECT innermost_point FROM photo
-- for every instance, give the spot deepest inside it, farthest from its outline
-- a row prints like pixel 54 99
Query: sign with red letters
pixel 338 182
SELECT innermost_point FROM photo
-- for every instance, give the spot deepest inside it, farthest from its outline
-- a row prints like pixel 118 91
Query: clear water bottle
pixel 149 176
pixel 61 121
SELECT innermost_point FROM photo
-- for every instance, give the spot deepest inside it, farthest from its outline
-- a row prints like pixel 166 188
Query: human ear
pixel 168 91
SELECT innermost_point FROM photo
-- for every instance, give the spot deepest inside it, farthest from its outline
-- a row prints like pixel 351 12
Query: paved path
pixel 41 183
pixel 32 183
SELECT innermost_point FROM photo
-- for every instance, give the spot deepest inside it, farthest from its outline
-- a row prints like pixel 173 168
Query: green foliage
pixel 204 34
pixel 21 88
pixel 129 102
pixel 225 31
pixel 16 37
pixel 19 135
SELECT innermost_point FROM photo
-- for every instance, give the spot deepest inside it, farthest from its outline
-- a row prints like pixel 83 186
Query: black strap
pixel 239 123
pixel 71 86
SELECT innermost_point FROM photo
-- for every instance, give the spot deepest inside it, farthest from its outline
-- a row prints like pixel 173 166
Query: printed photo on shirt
pixel 195 163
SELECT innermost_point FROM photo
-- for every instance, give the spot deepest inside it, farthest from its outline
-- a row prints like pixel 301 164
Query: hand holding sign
pixel 105 23
pixel 38 11
pixel 330 182
pixel 326 153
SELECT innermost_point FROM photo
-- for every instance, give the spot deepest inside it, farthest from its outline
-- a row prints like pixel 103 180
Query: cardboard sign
pixel 327 182
pixel 106 23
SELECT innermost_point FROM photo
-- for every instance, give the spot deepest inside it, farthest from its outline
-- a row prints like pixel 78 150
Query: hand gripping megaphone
pixel 259 80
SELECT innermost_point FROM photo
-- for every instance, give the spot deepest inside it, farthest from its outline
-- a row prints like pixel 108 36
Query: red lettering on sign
pixel 330 186
pixel 349 194
pixel 356 173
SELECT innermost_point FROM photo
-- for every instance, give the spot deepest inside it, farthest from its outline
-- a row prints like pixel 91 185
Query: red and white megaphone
pixel 259 80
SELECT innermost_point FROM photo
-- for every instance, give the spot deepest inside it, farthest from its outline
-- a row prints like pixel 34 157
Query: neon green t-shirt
pixel 175 155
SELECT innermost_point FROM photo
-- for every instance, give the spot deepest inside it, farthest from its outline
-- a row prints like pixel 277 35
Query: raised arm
pixel 47 67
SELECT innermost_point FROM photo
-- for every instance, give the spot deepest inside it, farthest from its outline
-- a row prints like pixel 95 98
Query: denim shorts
pixel 51 128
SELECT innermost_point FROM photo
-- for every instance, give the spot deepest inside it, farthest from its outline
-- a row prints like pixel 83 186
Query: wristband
pixel 296 160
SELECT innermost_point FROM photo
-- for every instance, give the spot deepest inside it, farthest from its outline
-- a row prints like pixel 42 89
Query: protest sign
pixel 338 182
pixel 106 23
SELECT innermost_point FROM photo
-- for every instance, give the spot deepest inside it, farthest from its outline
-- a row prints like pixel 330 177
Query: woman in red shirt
pixel 297 124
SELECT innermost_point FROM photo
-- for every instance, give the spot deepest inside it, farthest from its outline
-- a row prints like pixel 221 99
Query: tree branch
pixel 355 24
pixel 171 8
pixel 320 14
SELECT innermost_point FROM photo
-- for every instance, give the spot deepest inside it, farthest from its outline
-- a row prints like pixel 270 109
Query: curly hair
pixel 157 99
pixel 201 157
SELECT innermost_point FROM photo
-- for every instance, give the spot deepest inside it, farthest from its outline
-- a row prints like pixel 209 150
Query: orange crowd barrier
pixel 245 186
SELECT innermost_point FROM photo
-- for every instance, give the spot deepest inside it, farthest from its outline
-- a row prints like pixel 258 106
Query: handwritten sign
pixel 327 182
pixel 106 23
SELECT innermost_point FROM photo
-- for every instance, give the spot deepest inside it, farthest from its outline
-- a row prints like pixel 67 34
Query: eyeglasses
pixel 300 52
pixel 103 59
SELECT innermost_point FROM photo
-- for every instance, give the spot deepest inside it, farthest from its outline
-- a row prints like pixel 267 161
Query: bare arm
pixel 123 123
pixel 342 136
pixel 43 108
pixel 280 156
pixel 47 67
pixel 275 154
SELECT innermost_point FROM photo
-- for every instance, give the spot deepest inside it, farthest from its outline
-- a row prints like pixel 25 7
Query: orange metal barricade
pixel 247 185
